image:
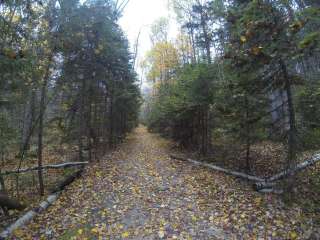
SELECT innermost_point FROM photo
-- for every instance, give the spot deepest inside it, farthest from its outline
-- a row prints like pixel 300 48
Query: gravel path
pixel 138 192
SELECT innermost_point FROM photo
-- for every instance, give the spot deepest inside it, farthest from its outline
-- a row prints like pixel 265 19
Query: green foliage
pixel 308 102
pixel 312 40
pixel 176 105
pixel 264 52
pixel 76 56
pixel 8 132
pixel 100 72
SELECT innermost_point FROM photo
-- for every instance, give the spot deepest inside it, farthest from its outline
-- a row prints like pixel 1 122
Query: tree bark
pixel 9 203
pixel 3 190
pixel 81 120
pixel 207 41
pixel 111 130
pixel 299 167
pixel 67 181
pixel 220 169
pixel 41 120
pixel 248 139
pixel 57 166
pixel 292 144
pixel 28 216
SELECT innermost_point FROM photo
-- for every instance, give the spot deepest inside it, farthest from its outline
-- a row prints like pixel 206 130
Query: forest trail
pixel 138 192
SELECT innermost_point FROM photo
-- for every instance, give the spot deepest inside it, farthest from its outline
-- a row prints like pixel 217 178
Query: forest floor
pixel 138 192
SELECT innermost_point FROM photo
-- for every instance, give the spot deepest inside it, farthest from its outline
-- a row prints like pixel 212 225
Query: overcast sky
pixel 140 14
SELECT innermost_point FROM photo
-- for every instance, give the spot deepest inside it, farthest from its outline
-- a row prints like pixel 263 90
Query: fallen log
pixel 49 201
pixel 261 185
pixel 9 203
pixel 220 169
pixel 264 185
pixel 299 167
pixel 271 190
pixel 68 180
pixel 267 187
pixel 57 166
pixel 28 216
pixel 270 183
pixel 42 206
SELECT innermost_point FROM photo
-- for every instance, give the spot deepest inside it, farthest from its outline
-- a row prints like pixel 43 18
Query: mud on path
pixel 138 192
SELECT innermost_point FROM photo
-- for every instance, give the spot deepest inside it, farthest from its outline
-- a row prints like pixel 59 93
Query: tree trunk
pixel 89 126
pixel 111 130
pixel 292 144
pixel 41 120
pixel 204 130
pixel 81 120
pixel 248 144
pixel 9 203
pixel 206 36
pixel 3 190
pixel 191 35
pixel 67 181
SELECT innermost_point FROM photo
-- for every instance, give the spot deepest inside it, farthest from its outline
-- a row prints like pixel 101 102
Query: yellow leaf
pixel 80 231
pixel 162 222
pixel 256 50
pixel 258 200
pixel 161 234
pixel 94 230
pixel 16 18
pixel 243 39
pixel 18 233
pixel 293 235
pixel 125 234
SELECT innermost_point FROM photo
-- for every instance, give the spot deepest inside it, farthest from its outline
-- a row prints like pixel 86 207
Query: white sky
pixel 140 14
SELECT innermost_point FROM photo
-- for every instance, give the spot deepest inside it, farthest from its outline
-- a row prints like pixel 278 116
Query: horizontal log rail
pixel 57 166
pixel 261 184
pixel 220 169
pixel 299 167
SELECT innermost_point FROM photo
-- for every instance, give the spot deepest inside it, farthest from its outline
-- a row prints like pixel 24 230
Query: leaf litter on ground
pixel 138 192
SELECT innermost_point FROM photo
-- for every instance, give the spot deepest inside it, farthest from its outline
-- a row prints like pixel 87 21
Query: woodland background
pixel 238 87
